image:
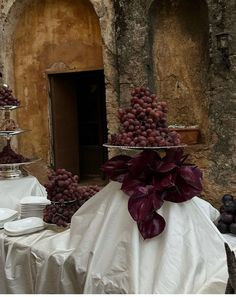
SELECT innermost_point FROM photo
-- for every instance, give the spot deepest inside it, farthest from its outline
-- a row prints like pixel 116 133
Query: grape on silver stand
pixel 144 123
pixel 66 196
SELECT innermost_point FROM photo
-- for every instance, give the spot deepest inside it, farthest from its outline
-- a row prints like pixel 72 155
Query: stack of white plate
pixel 33 206
pixel 24 226
pixel 6 215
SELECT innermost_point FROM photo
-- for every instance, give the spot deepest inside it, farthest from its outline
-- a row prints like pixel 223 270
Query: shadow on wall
pixel 179 35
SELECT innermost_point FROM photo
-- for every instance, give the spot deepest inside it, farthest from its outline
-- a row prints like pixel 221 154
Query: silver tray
pixel 15 170
pixel 12 133
pixel 123 147
pixel 33 160
pixel 9 107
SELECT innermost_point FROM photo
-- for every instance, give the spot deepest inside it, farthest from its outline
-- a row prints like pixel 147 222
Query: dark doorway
pixel 79 128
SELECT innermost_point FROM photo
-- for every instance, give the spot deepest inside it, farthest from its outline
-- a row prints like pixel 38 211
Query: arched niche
pixel 50 36
pixel 179 32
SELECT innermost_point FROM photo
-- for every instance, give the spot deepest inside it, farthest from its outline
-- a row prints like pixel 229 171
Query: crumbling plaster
pixel 126 54
pixel 10 14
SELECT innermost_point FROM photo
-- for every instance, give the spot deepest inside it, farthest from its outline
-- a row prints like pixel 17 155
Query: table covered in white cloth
pixel 13 190
pixel 103 252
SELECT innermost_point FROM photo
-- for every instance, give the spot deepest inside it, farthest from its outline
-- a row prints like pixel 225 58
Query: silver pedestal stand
pixel 13 170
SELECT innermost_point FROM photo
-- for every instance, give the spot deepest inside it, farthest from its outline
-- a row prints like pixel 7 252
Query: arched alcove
pixel 51 36
pixel 179 32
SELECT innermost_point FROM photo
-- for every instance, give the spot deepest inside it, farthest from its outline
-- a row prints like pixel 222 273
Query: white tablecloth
pixel 12 191
pixel 103 252
pixel 188 257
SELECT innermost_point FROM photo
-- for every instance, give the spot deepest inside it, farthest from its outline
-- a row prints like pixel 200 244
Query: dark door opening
pixel 79 128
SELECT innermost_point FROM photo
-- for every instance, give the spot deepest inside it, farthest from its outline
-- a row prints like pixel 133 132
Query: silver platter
pixel 122 147
pixel 9 107
pixel 12 173
pixel 12 133
pixel 33 160
pixel 65 202
pixel 15 170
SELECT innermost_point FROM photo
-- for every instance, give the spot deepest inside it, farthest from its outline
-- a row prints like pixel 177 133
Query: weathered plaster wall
pixel 129 60
pixel 179 35
pixel 221 94
pixel 11 13
pixel 214 86
pixel 49 40
pixel 179 38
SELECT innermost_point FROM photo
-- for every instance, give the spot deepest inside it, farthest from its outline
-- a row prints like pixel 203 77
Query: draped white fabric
pixel 13 190
pixel 103 252
pixel 188 257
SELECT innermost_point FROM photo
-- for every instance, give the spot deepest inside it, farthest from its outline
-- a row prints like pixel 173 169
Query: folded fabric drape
pixel 150 179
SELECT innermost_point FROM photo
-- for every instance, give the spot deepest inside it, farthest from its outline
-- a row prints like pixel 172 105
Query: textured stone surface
pixel 179 35
pixel 175 53
pixel 47 40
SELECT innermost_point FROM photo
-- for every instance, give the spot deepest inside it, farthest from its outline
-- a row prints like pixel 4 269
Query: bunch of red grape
pixel 8 156
pixel 144 123
pixel 227 220
pixel 62 186
pixel 6 97
pixel 66 196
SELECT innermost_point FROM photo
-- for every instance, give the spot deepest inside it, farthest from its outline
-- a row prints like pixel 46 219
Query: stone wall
pixel 197 83
pixel 47 40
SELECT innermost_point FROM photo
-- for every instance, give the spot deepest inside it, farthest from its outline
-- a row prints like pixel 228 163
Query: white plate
pixel 24 226
pixel 23 232
pixel 7 213
pixel 32 209
pixel 35 200
pixel 32 214
pixel 28 206
pixel 10 220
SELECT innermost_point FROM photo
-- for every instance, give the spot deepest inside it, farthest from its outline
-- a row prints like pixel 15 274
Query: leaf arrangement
pixel 149 180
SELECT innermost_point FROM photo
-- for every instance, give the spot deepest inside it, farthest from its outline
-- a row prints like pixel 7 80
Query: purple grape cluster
pixel 6 97
pixel 66 196
pixel 8 156
pixel 62 186
pixel 227 220
pixel 144 123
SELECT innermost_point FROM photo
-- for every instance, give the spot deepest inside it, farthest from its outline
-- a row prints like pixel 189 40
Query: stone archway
pixel 18 10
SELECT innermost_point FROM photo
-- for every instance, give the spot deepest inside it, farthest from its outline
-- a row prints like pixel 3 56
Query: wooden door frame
pixel 50 121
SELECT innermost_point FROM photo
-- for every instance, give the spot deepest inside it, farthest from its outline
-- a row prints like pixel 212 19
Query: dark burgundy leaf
pixel 155 197
pixel 165 167
pixel 191 175
pixel 184 158
pixel 173 155
pixel 180 193
pixel 139 204
pixel 140 163
pixel 130 185
pixel 116 168
pixel 166 181
pixel 149 179
pixel 152 226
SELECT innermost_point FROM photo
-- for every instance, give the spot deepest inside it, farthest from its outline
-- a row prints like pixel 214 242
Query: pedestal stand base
pixel 12 172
